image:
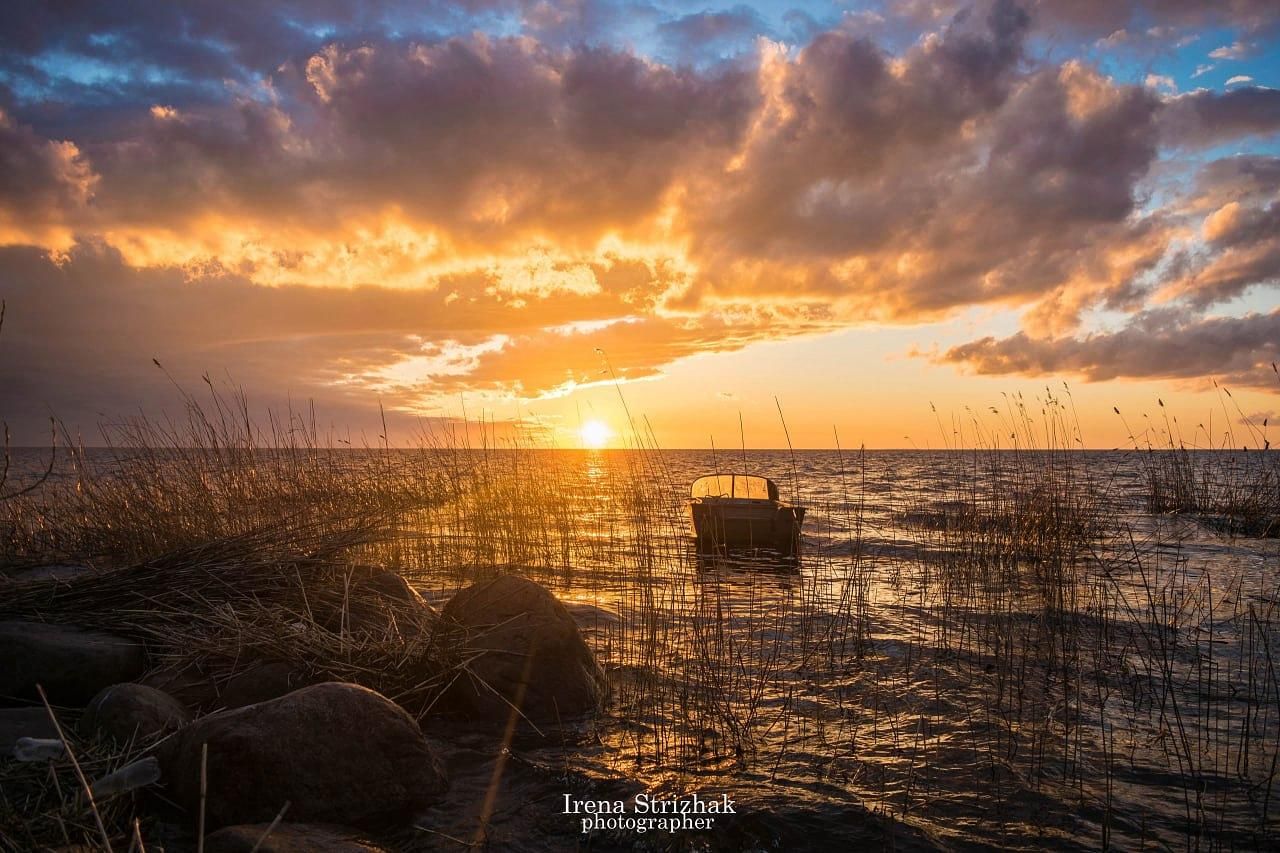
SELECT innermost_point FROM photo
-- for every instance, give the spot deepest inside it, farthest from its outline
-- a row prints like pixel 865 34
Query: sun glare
pixel 594 434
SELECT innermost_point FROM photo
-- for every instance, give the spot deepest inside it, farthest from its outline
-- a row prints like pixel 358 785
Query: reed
pixel 42 804
pixel 999 638
pixel 1227 478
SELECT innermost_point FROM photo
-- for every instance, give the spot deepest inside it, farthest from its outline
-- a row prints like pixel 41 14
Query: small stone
pixel 71 663
pixel 132 712
pixel 391 586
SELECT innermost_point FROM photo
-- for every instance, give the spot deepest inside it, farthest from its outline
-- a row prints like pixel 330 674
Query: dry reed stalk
pixel 204 792
pixel 991 612
pixel 85 788
pixel 271 827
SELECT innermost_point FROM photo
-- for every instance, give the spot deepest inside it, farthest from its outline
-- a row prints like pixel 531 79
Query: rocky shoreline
pixel 273 754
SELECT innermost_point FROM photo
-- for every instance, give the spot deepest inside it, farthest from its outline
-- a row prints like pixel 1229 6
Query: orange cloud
pixel 413 218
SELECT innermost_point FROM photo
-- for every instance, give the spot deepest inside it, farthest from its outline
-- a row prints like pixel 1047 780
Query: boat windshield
pixel 734 486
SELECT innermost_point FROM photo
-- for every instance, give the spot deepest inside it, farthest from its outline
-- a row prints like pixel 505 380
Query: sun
pixel 594 434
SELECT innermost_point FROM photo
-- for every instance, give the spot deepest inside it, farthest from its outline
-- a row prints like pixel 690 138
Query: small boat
pixel 742 511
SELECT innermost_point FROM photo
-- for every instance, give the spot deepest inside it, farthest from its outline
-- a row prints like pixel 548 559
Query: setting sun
pixel 594 434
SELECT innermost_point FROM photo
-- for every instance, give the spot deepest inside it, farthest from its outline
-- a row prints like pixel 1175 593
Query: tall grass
pixel 997 644
pixel 1212 474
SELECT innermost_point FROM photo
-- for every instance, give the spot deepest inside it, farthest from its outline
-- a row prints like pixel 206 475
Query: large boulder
pixel 72 663
pixel 132 712
pixel 336 752
pixel 525 651
pixel 289 838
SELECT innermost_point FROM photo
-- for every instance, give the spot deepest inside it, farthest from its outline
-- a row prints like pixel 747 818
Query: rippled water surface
pixel 974 650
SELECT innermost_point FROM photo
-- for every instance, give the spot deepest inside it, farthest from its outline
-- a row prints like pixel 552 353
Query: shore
pixel 1025 649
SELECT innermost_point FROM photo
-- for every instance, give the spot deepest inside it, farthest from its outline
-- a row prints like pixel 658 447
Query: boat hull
pixel 718 524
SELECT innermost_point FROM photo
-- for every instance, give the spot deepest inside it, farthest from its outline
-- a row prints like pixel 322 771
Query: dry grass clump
pixel 43 806
pixel 1236 492
pixel 1099 657
pixel 1228 479
pixel 287 594
pixel 162 485
pixel 998 638
pixel 1021 505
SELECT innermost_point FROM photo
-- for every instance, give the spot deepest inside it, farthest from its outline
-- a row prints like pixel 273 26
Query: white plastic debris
pixel 38 749
pixel 128 778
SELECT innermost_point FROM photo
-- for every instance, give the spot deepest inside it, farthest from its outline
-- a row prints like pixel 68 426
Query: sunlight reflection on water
pixel 952 648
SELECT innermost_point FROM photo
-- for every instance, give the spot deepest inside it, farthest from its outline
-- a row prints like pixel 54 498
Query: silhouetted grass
pixel 1001 642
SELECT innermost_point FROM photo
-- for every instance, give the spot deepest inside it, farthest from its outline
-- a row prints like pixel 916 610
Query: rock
pixel 72 663
pixel 385 603
pixel 336 752
pixel 131 777
pixel 289 838
pixel 530 652
pixel 18 723
pixel 261 681
pixel 390 586
pixel 132 712
pixel 381 603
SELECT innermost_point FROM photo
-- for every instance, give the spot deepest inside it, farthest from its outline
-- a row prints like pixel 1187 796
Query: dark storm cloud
pixel 41 180
pixel 1096 16
pixel 840 121
pixel 901 184
pixel 205 39
pixel 486 138
pixel 76 66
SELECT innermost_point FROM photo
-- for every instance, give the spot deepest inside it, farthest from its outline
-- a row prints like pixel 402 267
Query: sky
pixel 876 219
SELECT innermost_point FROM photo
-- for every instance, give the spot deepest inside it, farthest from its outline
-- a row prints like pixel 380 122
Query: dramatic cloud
pixel 475 145
pixel 42 182
pixel 80 335
pixel 416 199
pixel 1236 212
pixel 899 185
